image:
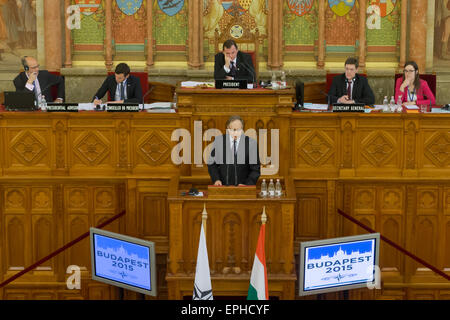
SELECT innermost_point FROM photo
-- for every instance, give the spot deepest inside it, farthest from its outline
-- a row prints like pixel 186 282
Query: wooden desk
pixel 61 173
pixel 231 235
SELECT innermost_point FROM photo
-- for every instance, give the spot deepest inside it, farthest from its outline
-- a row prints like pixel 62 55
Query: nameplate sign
pixel 231 84
pixel 62 107
pixel 122 108
pixel 349 108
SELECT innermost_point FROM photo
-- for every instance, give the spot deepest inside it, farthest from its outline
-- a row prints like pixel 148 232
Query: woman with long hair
pixel 414 91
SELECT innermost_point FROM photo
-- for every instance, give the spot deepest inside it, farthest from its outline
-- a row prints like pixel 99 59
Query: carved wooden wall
pixel 63 173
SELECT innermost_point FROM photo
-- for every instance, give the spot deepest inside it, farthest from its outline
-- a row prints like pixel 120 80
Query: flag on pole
pixel 258 289
pixel 202 282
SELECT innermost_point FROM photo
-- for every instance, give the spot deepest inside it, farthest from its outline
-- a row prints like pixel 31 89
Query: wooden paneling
pixel 63 173
pixel 314 92
pixel 231 235
pixel 33 216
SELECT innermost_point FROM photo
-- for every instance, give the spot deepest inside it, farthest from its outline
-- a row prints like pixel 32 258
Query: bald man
pixel 39 81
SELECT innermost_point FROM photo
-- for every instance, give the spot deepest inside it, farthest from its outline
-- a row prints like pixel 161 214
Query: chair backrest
pixel 143 78
pixel 54 88
pixel 429 78
pixel 247 42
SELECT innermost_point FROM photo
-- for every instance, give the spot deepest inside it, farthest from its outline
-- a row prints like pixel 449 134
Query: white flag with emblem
pixel 202 283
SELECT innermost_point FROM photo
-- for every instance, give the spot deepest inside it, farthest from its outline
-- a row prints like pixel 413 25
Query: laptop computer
pixel 19 101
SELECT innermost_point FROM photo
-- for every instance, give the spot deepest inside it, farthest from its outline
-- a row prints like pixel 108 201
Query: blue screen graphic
pixel 339 264
pixel 122 261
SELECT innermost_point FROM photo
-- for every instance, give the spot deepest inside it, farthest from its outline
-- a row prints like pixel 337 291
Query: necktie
pixel 349 89
pixel 36 94
pixel 234 151
pixel 122 94
pixel 232 69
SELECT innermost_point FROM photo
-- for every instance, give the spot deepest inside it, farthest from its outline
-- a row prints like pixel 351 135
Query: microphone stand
pixel 145 95
pixel 249 70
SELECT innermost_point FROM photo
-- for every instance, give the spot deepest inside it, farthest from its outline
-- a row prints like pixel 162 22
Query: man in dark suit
pixel 39 81
pixel 122 87
pixel 350 87
pixel 234 159
pixel 233 64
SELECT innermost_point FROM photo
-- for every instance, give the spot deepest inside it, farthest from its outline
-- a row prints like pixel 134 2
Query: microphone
pixel 45 88
pixel 243 64
pixel 328 97
pixel 145 95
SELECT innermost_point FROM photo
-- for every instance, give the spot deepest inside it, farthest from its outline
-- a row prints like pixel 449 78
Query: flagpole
pixel 264 216
pixel 204 218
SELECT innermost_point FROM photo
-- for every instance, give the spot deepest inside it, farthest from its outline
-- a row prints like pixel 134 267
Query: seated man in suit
pixel 234 159
pixel 233 64
pixel 350 87
pixel 122 87
pixel 39 81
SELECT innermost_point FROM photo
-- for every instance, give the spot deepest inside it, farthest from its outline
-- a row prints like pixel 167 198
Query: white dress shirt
pixel 117 96
pixel 227 70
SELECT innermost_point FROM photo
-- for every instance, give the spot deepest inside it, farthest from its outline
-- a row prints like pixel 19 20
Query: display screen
pixel 338 264
pixel 122 261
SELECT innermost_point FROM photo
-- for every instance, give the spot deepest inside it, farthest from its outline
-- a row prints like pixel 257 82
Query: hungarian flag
pixel 202 282
pixel 258 289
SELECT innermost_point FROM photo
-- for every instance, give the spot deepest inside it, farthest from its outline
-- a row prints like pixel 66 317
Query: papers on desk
pixel 439 110
pixel 412 107
pixel 86 106
pixel 315 106
pixel 157 105
pixel 161 110
pixel 193 84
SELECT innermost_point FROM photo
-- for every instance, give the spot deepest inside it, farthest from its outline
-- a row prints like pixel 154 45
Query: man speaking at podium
pixel 232 64
pixel 234 159
pixel 350 87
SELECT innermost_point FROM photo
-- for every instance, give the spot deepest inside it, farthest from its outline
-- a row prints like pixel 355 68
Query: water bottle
pixel 278 190
pixel 175 101
pixel 43 104
pixel 264 188
pixel 385 104
pixel 271 189
pixel 274 81
pixel 399 104
pixel 283 80
pixel 392 105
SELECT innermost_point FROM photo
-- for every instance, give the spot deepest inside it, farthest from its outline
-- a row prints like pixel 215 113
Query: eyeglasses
pixel 409 71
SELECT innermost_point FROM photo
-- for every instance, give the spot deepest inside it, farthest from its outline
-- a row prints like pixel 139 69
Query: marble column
pixel 52 35
pixel 150 61
pixel 195 59
pixel 418 32
pixel 321 44
pixel 275 34
pixel 403 28
pixel 40 32
pixel 362 33
pixel 430 35
pixel 108 37
pixel 68 37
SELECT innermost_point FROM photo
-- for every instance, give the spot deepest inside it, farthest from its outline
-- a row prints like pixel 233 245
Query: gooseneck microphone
pixel 252 73
pixel 145 95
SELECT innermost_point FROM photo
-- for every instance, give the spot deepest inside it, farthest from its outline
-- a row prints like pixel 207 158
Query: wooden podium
pixel 232 228
pixel 231 192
